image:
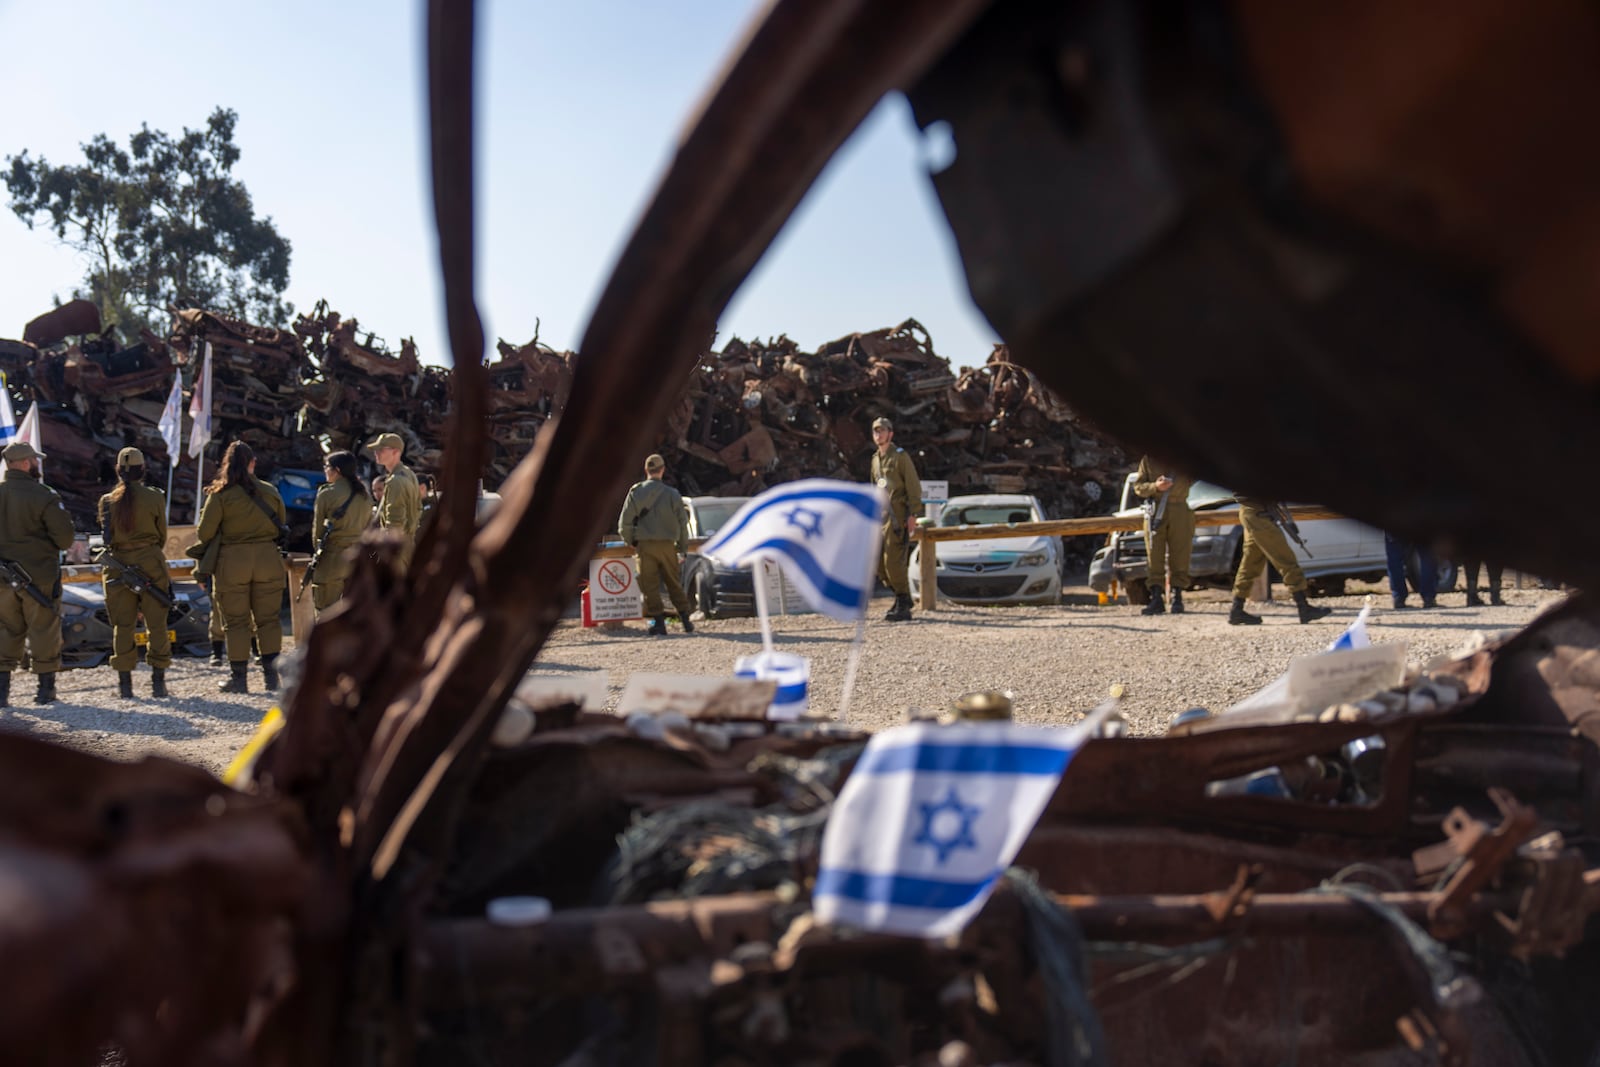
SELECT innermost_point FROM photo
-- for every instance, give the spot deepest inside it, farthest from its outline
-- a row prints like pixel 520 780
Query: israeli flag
pixel 8 415
pixel 932 816
pixel 1355 635
pixel 823 533
pixel 171 424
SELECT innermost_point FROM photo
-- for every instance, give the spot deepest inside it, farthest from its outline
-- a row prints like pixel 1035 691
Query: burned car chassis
pixel 331 914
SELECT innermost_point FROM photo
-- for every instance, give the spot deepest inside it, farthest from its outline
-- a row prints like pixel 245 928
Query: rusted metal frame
pixel 1167 785
pixel 466 959
pixel 1483 854
pixel 808 75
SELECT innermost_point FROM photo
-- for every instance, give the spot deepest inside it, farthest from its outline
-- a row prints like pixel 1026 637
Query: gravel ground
pixel 1058 661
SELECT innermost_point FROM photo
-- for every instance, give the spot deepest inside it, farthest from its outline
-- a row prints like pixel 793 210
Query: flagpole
pixel 850 669
pixel 759 573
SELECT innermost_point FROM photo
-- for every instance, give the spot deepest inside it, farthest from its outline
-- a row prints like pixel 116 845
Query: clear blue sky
pixel 579 108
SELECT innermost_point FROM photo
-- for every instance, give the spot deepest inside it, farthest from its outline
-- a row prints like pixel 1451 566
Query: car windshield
pixel 985 514
pixel 1206 495
pixel 711 514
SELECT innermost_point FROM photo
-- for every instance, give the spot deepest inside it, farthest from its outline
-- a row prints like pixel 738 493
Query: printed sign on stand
pixel 934 494
pixel 613 593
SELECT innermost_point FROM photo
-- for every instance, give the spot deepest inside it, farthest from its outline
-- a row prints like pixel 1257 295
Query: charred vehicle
pixel 1250 207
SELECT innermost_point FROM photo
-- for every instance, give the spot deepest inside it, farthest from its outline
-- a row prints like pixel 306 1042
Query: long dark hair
pixel 121 499
pixel 235 469
pixel 345 464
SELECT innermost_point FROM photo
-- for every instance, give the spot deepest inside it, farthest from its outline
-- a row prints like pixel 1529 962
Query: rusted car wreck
pixel 1129 185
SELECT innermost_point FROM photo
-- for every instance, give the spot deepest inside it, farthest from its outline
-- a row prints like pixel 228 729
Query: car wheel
pixel 1138 591
pixel 703 593
pixel 1327 586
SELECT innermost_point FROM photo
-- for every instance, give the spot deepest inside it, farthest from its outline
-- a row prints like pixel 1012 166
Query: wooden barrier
pixel 930 536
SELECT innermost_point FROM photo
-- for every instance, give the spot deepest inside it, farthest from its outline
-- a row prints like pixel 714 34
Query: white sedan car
pixel 1002 570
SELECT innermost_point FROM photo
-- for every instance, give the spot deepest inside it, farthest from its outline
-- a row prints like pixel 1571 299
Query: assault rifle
pixel 136 581
pixel 17 577
pixel 1277 514
pixel 1155 509
pixel 316 557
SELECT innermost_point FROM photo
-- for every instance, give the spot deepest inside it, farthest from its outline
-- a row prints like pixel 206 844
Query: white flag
pixel 29 431
pixel 171 424
pixel 823 533
pixel 200 408
pixel 932 816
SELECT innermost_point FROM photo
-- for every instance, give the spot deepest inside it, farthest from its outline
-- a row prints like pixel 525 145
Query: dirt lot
pixel 1058 661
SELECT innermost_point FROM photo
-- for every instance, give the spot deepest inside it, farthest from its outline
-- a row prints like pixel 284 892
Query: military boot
pixel 688 627
pixel 1240 617
pixel 900 611
pixel 1473 599
pixel 1177 602
pixel 238 678
pixel 47 689
pixel 219 652
pixel 658 626
pixel 158 683
pixel 1495 598
pixel 5 689
pixel 1310 612
pixel 125 685
pixel 269 671
pixel 1155 606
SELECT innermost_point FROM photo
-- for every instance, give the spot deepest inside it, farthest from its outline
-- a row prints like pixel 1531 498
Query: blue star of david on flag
pixel 931 817
pixel 947 825
pixel 808 519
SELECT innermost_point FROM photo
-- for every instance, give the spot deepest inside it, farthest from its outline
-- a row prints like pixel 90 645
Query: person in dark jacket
pixel 246 515
pixel 34 530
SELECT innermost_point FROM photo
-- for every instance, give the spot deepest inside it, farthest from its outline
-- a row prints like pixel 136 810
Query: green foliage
pixel 160 223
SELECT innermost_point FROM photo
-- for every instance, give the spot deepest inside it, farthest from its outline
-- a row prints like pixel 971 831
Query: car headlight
pixel 71 610
pixel 299 481
pixel 1032 559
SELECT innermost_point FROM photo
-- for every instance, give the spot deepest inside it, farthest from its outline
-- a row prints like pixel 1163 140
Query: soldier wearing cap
pixel 896 475
pixel 34 530
pixel 133 521
pixel 400 508
pixel 654 522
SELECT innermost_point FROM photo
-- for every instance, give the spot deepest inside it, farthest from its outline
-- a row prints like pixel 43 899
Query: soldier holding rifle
pixel 34 530
pixel 1168 532
pixel 1265 523
pixel 133 573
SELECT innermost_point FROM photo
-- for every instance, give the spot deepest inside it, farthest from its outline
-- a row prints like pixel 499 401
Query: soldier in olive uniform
pixel 246 515
pixel 654 522
pixel 400 508
pixel 1264 543
pixel 133 520
pixel 343 509
pixel 895 474
pixel 34 530
pixel 1169 539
